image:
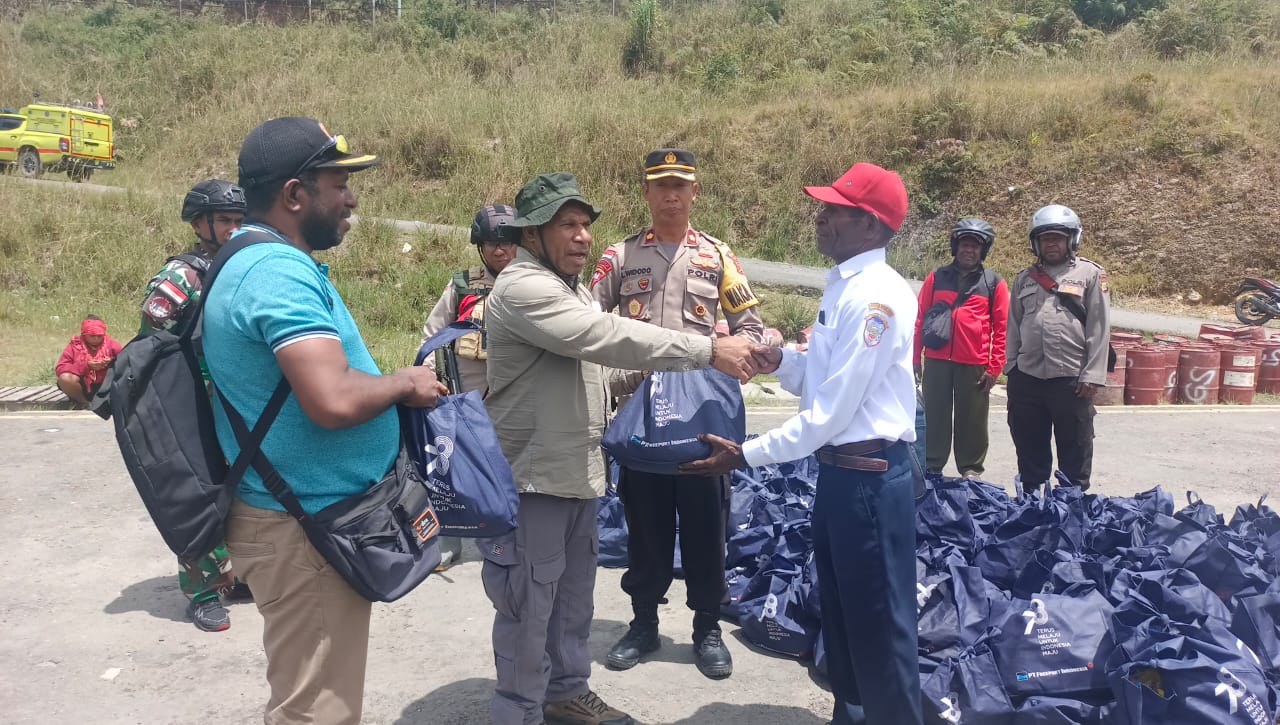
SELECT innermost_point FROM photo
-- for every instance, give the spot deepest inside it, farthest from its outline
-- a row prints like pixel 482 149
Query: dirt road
pixel 94 629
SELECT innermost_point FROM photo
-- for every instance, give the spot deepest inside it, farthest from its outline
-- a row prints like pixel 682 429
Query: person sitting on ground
pixel 84 361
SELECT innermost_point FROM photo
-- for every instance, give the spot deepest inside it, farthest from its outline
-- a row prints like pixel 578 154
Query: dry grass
pixel 978 115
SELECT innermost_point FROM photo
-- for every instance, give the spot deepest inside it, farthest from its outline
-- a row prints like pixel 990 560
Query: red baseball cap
pixel 870 188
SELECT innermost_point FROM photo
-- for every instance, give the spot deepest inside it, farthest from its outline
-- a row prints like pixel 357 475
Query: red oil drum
pixel 1269 369
pixel 1239 374
pixel 1113 392
pixel 1198 370
pixel 1170 350
pixel 1130 339
pixel 1213 328
pixel 1175 340
pixel 1145 376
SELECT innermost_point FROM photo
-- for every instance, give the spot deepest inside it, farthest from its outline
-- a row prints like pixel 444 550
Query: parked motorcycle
pixel 1257 301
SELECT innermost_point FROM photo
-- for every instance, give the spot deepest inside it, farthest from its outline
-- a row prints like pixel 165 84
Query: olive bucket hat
pixel 542 197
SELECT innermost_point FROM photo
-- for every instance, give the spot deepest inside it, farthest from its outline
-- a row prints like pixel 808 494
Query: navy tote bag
pixel 657 429
pixel 455 448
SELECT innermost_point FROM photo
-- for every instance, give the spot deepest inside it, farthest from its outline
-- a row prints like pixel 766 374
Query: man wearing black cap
pixel 670 275
pixel 552 353
pixel 273 312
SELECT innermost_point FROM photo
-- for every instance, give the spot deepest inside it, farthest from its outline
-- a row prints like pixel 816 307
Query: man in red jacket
pixel 963 365
pixel 84 361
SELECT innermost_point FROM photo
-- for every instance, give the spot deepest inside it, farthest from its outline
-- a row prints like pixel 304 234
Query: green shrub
pixel 641 54
pixel 721 71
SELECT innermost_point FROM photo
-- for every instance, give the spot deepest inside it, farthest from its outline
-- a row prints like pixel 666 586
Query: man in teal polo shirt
pixel 273 312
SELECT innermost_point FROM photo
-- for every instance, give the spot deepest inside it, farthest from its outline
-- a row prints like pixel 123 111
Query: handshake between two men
pixel 743 358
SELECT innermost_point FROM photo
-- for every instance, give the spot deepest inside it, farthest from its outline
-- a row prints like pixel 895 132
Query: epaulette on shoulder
pixel 712 240
pixel 1090 261
pixel 631 238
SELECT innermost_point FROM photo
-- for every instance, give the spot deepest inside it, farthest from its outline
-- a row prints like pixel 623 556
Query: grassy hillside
pixel 1155 119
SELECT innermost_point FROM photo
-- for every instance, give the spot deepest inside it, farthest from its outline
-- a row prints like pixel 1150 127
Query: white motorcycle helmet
pixel 1056 218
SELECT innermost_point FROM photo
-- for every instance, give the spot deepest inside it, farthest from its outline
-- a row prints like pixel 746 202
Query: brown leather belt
pixel 854 456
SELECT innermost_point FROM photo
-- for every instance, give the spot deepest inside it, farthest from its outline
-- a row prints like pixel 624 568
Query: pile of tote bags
pixel 1058 608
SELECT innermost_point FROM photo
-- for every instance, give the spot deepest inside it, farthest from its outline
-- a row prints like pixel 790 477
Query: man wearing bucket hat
pixel 857 411
pixel 273 312
pixel 553 357
pixel 1059 329
pixel 671 275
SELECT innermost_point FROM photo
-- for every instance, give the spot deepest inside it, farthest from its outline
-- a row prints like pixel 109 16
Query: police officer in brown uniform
pixel 674 276
pixel 1058 344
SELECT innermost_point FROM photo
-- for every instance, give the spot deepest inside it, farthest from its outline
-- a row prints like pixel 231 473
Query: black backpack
pixel 163 415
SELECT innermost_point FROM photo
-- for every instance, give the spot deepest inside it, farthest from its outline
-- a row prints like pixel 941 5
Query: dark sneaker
pixel 711 655
pixel 209 616
pixel 585 709
pixel 638 641
pixel 238 593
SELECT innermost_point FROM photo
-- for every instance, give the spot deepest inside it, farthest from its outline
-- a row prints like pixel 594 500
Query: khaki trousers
pixel 315 627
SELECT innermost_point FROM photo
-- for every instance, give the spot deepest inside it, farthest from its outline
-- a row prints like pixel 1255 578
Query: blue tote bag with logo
pixel 456 450
pixel 657 429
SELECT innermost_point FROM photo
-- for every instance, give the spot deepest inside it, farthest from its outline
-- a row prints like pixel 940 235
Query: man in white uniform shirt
pixel 857 411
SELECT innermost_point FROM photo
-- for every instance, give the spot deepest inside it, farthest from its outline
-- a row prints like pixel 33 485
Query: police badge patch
pixel 874 328
pixel 604 266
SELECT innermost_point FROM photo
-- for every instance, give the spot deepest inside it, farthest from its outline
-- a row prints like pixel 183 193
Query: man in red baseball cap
pixel 857 411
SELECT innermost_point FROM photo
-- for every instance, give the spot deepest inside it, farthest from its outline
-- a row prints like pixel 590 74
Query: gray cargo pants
pixel 541 579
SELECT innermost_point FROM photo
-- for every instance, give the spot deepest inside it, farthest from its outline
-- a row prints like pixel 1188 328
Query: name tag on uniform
pixel 1073 288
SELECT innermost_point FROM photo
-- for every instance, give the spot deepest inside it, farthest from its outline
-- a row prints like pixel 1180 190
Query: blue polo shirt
pixel 267 297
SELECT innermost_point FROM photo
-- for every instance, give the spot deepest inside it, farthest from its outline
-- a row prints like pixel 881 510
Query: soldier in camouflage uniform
pixel 464 299
pixel 215 209
pixel 676 277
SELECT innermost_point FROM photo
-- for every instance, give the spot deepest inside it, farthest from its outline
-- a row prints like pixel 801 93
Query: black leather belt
pixel 853 456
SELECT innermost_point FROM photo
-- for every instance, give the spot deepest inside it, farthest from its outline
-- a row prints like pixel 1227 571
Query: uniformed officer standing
pixel 857 410
pixel 215 209
pixel 464 299
pixel 670 274
pixel 1059 329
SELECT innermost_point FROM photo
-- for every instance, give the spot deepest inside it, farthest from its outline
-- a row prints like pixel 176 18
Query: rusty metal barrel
pixel 1198 369
pixel 1269 368
pixel 1145 376
pixel 1239 374
pixel 1113 392
pixel 1171 350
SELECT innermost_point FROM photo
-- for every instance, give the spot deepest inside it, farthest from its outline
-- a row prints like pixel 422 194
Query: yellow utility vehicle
pixel 53 137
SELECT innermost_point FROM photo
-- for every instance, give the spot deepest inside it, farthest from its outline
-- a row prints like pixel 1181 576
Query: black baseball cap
pixel 670 162
pixel 284 148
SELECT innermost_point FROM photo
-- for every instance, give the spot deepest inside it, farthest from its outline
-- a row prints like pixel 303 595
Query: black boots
pixel 641 638
pixel 709 651
pixel 711 654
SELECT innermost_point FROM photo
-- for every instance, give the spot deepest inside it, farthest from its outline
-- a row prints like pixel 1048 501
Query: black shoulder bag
pixel 935 331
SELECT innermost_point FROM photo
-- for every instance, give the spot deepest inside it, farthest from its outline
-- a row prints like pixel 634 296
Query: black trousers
pixel 651 502
pixel 1039 409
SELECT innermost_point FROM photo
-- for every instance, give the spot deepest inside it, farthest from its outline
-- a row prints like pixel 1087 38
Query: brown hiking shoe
pixel 585 709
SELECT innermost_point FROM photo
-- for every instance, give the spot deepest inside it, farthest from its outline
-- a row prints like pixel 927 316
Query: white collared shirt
pixel 855 383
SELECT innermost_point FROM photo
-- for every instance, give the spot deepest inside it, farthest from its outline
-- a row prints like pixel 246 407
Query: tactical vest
pixel 472 289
